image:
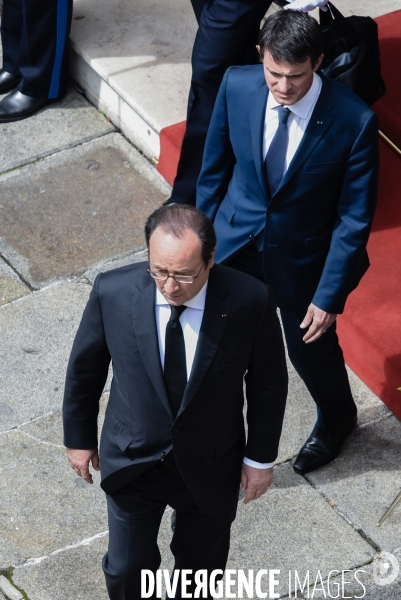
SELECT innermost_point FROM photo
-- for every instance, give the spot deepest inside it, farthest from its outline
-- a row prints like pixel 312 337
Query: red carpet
pixel 370 328
pixel 170 147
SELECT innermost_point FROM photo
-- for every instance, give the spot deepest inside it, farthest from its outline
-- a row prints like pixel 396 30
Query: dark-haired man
pixel 227 34
pixel 181 336
pixel 289 178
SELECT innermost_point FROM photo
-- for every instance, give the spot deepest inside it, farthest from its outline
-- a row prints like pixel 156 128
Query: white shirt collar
pixel 197 301
pixel 306 103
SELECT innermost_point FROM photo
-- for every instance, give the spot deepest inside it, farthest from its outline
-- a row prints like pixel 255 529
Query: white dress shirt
pixel 191 320
pixel 297 123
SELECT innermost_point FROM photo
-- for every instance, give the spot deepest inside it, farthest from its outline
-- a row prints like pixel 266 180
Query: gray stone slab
pixel 364 480
pixel 36 338
pixel 11 286
pixel 77 208
pixel 44 505
pixel 363 583
pixel 293 527
pixel 61 125
pixel 76 573
pixel 134 257
pixel 9 590
pixel 49 429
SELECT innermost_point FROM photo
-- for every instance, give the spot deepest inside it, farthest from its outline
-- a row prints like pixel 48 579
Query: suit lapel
pixel 257 112
pixel 143 315
pixel 319 123
pixel 215 318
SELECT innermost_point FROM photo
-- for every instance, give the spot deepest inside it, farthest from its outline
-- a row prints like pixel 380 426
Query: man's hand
pixel 318 320
pixel 306 5
pixel 255 481
pixel 80 459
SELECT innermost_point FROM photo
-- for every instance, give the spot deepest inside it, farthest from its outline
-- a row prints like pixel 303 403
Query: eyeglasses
pixel 178 278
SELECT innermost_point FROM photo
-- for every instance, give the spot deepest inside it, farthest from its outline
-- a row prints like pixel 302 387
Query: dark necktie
pixel 275 157
pixel 175 366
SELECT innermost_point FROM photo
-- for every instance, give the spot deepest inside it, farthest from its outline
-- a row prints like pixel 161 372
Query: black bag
pixel 351 53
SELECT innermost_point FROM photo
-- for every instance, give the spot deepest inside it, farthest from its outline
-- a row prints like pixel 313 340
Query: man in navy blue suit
pixel 34 36
pixel 227 34
pixel 289 178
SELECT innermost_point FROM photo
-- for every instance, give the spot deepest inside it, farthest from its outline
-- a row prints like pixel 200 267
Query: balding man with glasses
pixel 182 334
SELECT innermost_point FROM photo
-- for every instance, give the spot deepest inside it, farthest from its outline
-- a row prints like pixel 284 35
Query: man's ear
pixel 211 259
pixel 258 49
pixel 318 62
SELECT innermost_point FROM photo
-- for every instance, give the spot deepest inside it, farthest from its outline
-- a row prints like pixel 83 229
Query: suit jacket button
pixel 175 430
pixel 163 454
pixel 272 212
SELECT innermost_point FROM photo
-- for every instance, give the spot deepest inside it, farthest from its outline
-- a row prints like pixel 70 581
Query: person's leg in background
pixel 42 57
pixel 227 35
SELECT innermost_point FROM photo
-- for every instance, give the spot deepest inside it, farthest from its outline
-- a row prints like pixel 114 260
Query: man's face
pixel 288 83
pixel 178 256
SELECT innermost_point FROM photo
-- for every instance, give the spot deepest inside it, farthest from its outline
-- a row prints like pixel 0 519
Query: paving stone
pixel 293 527
pixel 77 208
pixel 36 338
pixel 9 590
pixel 364 480
pixel 49 429
pixel 368 575
pixel 76 573
pixel 45 505
pixel 60 125
pixel 11 286
pixel 139 256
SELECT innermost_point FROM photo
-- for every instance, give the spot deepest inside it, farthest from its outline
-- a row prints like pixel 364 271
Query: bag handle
pixel 332 15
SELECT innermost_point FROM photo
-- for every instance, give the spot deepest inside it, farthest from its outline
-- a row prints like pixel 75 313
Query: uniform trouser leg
pixel 135 513
pixel 11 30
pixel 321 366
pixel 227 35
pixel 43 49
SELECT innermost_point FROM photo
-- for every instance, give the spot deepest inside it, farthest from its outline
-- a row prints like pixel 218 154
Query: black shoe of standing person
pixel 17 106
pixel 8 81
pixel 322 447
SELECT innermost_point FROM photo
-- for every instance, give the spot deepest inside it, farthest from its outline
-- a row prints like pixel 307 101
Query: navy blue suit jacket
pixel 318 222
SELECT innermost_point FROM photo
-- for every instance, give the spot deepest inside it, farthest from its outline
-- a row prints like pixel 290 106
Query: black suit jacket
pixel 240 336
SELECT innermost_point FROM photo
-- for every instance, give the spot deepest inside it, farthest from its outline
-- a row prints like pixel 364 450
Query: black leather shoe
pixel 18 106
pixel 322 447
pixel 8 81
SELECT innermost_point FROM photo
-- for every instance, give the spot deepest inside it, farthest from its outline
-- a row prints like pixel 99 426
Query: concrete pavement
pixel 74 194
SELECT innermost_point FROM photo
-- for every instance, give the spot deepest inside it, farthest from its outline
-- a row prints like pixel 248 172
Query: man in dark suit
pixel 227 34
pixel 289 178
pixel 181 336
pixel 34 36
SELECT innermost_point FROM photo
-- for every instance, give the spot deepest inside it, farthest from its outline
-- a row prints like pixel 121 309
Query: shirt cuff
pixel 257 465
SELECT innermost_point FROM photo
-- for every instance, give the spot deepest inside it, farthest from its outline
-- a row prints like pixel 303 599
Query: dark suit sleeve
pixel 266 387
pixel 218 158
pixel 86 376
pixel 355 211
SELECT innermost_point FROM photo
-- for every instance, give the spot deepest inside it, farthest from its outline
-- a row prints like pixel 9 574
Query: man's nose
pixel 284 85
pixel 171 285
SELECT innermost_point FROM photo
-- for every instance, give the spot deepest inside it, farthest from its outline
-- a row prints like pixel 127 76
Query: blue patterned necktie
pixel 275 157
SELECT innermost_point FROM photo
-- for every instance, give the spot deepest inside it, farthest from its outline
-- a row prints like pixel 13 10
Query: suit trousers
pixel 135 513
pixel 320 364
pixel 35 40
pixel 227 34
